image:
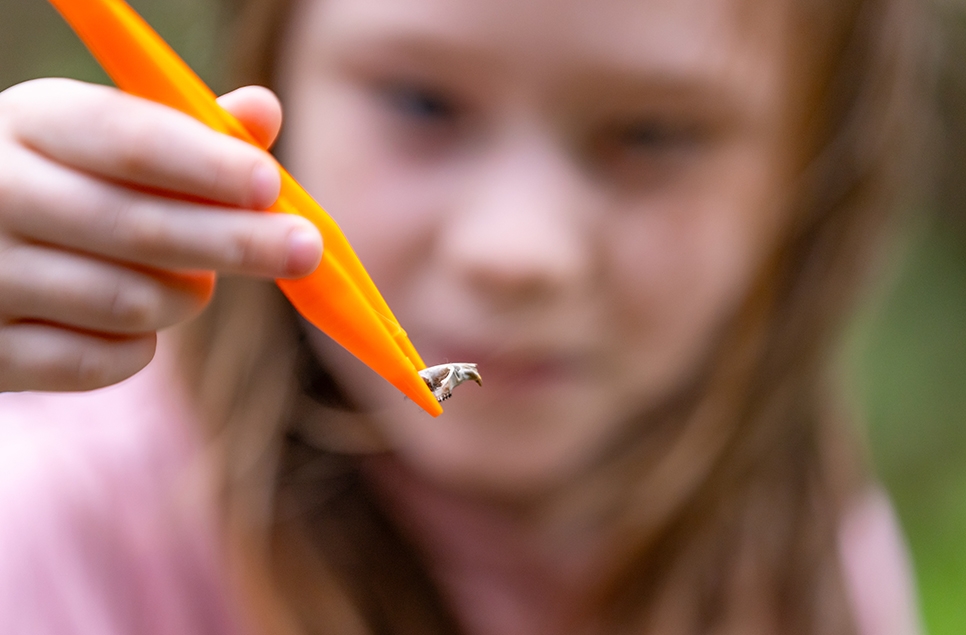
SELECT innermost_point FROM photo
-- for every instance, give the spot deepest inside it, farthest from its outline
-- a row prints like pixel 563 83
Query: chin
pixel 494 451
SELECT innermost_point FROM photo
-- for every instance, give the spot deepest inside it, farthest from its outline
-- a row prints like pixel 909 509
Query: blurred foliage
pixel 35 41
pixel 906 356
pixel 908 361
pixel 951 102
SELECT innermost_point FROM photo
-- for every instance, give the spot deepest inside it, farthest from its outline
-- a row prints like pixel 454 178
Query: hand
pixel 115 216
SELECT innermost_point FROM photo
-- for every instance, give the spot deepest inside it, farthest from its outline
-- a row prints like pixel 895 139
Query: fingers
pixel 258 109
pixel 115 214
pixel 41 284
pixel 49 203
pixel 135 141
pixel 46 357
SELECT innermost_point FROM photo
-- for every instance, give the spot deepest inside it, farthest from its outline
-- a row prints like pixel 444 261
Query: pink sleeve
pixel 103 527
pixel 877 569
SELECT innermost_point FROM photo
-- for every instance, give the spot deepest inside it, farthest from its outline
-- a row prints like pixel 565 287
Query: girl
pixel 644 220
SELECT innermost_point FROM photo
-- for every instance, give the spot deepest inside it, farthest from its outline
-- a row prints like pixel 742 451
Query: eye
pixel 646 151
pixel 421 105
pixel 422 120
pixel 653 136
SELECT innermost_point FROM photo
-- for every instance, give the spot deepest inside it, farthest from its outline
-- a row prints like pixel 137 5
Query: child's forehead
pixel 612 43
pixel 612 28
pixel 649 36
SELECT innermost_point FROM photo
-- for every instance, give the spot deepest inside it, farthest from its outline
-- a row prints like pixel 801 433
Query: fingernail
pixel 304 251
pixel 266 185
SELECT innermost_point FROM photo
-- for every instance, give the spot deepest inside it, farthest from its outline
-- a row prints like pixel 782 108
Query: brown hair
pixel 725 508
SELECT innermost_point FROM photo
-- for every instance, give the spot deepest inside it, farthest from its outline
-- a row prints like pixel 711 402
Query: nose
pixel 521 229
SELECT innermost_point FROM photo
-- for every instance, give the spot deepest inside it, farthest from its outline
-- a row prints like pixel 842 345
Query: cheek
pixel 680 271
pixel 671 270
pixel 385 208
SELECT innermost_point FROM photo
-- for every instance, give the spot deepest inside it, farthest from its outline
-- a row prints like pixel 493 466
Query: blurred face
pixel 575 194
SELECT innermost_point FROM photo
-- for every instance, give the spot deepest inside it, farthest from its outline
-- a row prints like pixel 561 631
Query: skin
pixel 99 245
pixel 576 203
pixel 575 195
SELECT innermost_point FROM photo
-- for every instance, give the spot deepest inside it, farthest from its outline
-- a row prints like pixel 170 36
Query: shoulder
pixel 102 527
pixel 877 568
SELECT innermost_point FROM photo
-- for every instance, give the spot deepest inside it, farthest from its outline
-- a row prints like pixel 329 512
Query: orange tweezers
pixel 339 297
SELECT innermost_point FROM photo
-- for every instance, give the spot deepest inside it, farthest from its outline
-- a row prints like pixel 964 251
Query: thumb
pixel 258 109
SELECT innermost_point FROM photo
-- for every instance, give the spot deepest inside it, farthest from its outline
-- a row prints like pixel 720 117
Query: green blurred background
pixel 905 357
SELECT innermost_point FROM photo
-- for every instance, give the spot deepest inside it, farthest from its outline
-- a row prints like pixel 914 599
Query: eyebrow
pixel 416 48
pixel 614 77
pixel 629 89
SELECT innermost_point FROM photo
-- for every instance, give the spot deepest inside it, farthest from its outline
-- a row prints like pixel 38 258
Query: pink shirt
pixel 103 530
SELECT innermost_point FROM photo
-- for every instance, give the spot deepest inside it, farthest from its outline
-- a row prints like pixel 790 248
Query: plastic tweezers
pixel 339 297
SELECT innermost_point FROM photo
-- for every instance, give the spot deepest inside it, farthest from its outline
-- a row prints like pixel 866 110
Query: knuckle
pixel 103 364
pixel 99 364
pixel 219 172
pixel 132 228
pixel 12 183
pixel 91 368
pixel 245 250
pixel 251 250
pixel 8 185
pixel 132 308
pixel 137 143
pixel 8 367
pixel 11 273
pixel 228 170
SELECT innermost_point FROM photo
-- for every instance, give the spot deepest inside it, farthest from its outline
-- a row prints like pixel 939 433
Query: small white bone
pixel 444 378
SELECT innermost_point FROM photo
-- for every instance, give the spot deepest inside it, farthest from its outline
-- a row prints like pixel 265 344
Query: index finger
pixel 132 140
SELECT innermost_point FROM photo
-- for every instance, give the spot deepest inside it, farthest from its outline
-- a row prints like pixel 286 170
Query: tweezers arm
pixel 339 297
